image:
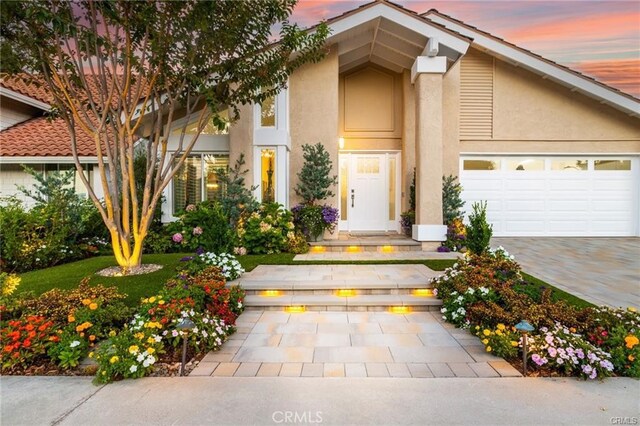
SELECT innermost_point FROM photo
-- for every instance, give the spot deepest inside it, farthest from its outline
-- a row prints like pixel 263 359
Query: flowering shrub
pixel 8 283
pixel 229 266
pixel 70 350
pixel 501 341
pixel 456 235
pixel 201 225
pixel 312 220
pixel 25 340
pixel 266 230
pixel 617 331
pixel 455 305
pixel 209 332
pixel 561 349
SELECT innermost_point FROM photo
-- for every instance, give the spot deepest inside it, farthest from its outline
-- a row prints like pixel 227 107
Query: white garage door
pixel 563 196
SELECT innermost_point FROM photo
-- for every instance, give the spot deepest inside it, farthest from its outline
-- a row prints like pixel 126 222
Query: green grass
pixel 135 287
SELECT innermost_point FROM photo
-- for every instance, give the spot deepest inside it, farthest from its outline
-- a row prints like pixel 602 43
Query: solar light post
pixel 185 325
pixel 524 327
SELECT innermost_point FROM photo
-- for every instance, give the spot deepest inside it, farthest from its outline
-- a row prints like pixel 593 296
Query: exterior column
pixel 427 74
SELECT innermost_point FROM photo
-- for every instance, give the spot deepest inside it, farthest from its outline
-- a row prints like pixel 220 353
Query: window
pixel 569 164
pixel 197 181
pixel 344 185
pixel 209 129
pixel 268 175
pixel 481 165
pixel 526 164
pixel 76 183
pixel 612 165
pixel 268 112
pixel 368 165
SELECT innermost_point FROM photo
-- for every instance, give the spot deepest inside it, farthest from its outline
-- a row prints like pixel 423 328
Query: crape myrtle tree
pixel 120 70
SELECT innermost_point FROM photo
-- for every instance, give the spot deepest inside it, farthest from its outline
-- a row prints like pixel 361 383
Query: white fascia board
pixel 24 99
pixel 412 23
pixel 427 65
pixel 45 160
pixel 539 66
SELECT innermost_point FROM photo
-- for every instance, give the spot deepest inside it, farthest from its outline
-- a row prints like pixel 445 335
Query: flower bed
pixel 487 294
pixel 54 333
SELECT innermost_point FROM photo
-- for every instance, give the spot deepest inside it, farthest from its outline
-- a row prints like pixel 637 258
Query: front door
pixel 368 191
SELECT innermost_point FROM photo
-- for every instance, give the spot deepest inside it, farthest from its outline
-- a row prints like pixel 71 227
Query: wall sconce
pixel 341 143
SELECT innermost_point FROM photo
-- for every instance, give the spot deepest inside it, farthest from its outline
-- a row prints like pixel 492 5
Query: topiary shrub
pixel 479 231
pixel 451 201
pixel 315 180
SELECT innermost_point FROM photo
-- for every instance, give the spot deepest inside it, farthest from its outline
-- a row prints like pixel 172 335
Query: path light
pixel 345 292
pixel 400 309
pixel 185 325
pixel 294 309
pixel 422 292
pixel 524 327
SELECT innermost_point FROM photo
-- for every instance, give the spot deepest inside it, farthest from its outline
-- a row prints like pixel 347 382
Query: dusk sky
pixel 598 38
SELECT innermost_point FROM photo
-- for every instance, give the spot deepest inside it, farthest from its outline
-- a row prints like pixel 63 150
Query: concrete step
pixel 360 302
pixel 403 286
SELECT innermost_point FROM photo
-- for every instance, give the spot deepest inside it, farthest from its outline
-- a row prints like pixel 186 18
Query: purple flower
pixel 593 374
pixel 536 358
pixel 329 214
pixel 552 351
pixel 549 339
pixel 197 231
pixel 580 353
pixel 443 249
pixel 200 251
pixel 186 259
pixel 586 369
pixel 177 238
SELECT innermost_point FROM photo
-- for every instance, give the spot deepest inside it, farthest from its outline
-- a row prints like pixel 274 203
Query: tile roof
pixel 41 137
pixel 31 89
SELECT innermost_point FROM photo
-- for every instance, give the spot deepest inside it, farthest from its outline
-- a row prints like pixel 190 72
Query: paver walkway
pixel 398 255
pixel 350 344
pixel 600 270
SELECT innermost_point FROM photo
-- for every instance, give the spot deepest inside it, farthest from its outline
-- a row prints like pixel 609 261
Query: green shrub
pixel 451 201
pixel 267 230
pixel 479 231
pixel 501 341
pixel 314 178
pixel 237 199
pixel 204 226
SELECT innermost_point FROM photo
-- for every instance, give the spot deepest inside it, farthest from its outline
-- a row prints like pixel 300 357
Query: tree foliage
pixel 479 231
pixel 451 199
pixel 120 70
pixel 314 178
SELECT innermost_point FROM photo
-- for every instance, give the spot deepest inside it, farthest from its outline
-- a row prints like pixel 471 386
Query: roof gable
pixel 548 69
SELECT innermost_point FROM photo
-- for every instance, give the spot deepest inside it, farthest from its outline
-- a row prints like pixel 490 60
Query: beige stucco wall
pixel 527 107
pixel 451 120
pixel 313 115
pixel 241 141
pixel 408 137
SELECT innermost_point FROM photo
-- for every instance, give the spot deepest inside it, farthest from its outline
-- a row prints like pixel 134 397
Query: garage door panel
pixel 621 206
pixel 524 226
pixel 565 205
pixel 568 185
pixel 475 183
pixel 578 226
pixel 534 206
pixel 617 226
pixel 524 185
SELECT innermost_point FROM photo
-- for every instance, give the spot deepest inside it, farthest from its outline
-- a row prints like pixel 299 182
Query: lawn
pixel 69 275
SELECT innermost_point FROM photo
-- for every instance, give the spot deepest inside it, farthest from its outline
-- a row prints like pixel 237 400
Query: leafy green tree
pixel 451 200
pixel 237 198
pixel 314 178
pixel 479 231
pixel 119 70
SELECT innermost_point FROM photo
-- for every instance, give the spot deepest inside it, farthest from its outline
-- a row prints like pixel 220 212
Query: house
pixel 29 138
pixel 554 152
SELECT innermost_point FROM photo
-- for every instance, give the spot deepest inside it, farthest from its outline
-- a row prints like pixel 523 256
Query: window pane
pixel 268 112
pixel 481 165
pixel 212 163
pixel 392 188
pixel 367 165
pixel 526 164
pixel 268 176
pixel 187 183
pixel 209 129
pixel 344 187
pixel 569 164
pixel 612 165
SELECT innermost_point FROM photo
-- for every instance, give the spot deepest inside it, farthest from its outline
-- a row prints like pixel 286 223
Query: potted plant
pixel 314 185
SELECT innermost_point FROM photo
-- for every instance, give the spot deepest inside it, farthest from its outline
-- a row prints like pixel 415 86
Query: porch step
pixel 360 287
pixel 377 302
pixel 359 243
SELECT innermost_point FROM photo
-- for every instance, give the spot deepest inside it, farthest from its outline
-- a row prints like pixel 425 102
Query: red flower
pixel 7 348
pixel 32 334
pixel 604 333
pixel 26 343
pixel 29 327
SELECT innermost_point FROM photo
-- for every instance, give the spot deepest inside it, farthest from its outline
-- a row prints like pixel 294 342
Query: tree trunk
pixel 126 256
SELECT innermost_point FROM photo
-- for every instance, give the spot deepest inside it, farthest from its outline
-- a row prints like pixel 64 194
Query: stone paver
pixel 312 370
pixel 505 369
pixel 291 369
pixel 483 369
pixel 398 255
pixel 334 370
pixel 440 369
pixel 226 369
pixel 599 270
pixel 269 369
pixel 355 369
pixel 204 369
pixel 377 369
pixel 398 370
pixel 419 370
pixel 461 369
pixel 247 369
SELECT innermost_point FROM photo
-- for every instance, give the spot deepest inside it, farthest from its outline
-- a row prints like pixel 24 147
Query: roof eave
pixel 24 99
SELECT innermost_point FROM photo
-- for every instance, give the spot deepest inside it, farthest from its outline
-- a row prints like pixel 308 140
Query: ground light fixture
pixel 386 249
pixel 354 249
pixel 296 309
pixel 524 327
pixel 270 293
pixel 399 309
pixel 345 292
pixel 318 249
pixel 422 292
pixel 185 325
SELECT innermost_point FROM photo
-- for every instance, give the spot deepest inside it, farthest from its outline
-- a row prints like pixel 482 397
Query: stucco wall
pixel 241 141
pixel 313 115
pixel 408 137
pixel 451 120
pixel 13 112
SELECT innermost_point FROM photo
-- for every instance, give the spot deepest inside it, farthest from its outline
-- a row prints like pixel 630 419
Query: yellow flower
pixel 486 332
pixel 631 341
pixel 485 341
pixel 114 359
pixel 133 349
pixel 152 299
pixel 501 327
pixel 85 302
pixel 151 340
pixel 499 332
pixel 90 354
pixel 488 348
pixel 631 309
pixel 161 302
pixel 71 318
pixel 514 343
pixel 477 327
pixel 112 333
pixel 631 358
pixel 150 350
pixel 139 335
pixel 572 329
pixel 93 306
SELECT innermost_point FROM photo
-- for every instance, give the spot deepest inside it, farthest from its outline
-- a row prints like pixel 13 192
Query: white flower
pixel 140 357
pixel 443 310
pixel 74 344
pixel 133 368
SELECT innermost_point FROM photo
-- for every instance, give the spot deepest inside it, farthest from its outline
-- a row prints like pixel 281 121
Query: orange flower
pixel 93 306
pixel 92 338
pixel 85 302
pixel 71 318
pixel 631 341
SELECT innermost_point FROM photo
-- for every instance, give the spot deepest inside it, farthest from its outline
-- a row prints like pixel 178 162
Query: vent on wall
pixel 476 96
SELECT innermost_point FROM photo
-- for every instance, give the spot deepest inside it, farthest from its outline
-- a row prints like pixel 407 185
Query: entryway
pixel 369 191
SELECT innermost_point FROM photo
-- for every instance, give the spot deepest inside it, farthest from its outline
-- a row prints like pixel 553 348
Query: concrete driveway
pixel 604 271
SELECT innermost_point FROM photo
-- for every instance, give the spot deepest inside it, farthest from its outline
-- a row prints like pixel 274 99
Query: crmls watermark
pixel 623 420
pixel 299 417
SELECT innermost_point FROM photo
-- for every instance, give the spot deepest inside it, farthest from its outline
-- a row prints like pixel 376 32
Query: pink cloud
pixel 621 74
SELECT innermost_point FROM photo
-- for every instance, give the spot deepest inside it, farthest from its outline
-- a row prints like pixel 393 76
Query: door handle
pixel 353 197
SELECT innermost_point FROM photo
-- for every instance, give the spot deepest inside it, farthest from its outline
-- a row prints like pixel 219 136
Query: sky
pixel 598 38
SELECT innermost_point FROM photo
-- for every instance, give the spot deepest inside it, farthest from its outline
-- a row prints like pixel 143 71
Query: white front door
pixel 369 192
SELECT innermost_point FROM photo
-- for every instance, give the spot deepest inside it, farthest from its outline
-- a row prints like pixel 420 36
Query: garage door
pixel 555 196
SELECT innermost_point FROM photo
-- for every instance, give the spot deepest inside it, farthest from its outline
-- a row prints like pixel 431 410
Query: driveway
pixel 604 271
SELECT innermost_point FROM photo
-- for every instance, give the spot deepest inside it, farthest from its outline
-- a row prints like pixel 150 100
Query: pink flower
pixel 190 208
pixel 177 238
pixel 552 352
pixel 197 231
